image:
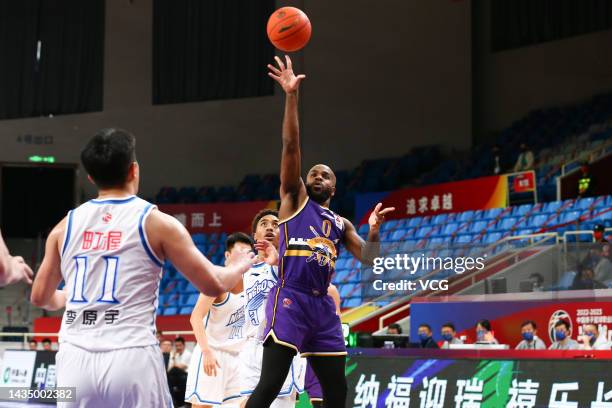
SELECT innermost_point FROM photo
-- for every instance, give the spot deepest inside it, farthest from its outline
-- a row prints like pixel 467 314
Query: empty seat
pixel 522 209
pixel 584 203
pixel 463 239
pixel 449 229
pixel 552 206
pixel 570 216
pixel 465 216
pixel 422 232
pixel 492 237
pixel 415 222
pixel 506 224
pixel 172 310
pixel 478 227
pixel 439 219
pixel 491 213
pixel 389 225
pixel 538 220
pixel 185 310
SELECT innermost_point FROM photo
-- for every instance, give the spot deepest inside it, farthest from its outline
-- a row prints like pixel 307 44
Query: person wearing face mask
pixel 591 340
pixel 525 159
pixel 449 335
pixel 484 335
pixel 425 339
pixel 530 340
pixel 563 337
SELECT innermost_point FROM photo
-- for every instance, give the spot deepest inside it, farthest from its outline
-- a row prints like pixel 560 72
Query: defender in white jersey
pixel 218 324
pixel 109 251
pixel 257 284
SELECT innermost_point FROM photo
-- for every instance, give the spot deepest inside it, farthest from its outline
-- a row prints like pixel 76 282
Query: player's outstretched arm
pixel 292 190
pixel 13 269
pixel 170 240
pixel 360 249
pixel 200 310
pixel 44 290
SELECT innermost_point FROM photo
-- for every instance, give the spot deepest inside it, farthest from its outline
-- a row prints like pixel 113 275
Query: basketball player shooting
pixel 300 317
pixel 110 253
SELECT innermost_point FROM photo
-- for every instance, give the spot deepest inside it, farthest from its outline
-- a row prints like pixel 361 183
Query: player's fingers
pixel 386 210
pixel 289 63
pixel 301 76
pixel 19 259
pixel 28 270
pixel 274 77
pixel 274 69
pixel 280 63
pixel 377 208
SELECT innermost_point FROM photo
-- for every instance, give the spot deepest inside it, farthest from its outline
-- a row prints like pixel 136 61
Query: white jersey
pixel 224 324
pixel 258 281
pixel 112 276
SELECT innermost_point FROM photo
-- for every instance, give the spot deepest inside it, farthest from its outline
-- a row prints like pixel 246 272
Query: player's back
pixel 112 276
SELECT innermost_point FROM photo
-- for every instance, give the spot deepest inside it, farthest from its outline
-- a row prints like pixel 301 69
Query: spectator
pixel 530 340
pixel 563 337
pixel 33 344
pixel 591 340
pixel 46 344
pixel 525 159
pixel 449 335
pixel 177 371
pixel 585 280
pixel 394 328
pixel 496 160
pixel 426 341
pixel 586 182
pixel 538 282
pixel 13 269
pixel 603 269
pixel 599 232
pixel 484 334
pixel 166 349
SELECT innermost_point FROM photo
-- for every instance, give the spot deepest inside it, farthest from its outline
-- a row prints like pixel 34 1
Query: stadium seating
pixel 428 235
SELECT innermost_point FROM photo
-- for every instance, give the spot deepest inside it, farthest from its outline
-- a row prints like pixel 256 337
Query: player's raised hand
pixel 267 252
pixel 210 363
pixel 284 75
pixel 378 216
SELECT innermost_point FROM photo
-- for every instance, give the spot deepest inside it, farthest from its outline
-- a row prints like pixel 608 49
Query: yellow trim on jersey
pixel 275 305
pixel 277 341
pixel 325 354
pixel 304 252
pixel 316 399
pixel 295 214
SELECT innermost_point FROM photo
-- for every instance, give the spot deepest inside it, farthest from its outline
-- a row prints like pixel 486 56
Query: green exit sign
pixel 41 159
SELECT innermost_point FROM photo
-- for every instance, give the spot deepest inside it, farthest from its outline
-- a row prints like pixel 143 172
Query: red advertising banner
pixel 217 217
pixel 523 182
pixel 474 194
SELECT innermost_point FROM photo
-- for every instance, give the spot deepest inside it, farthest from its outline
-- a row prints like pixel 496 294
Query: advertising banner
pixel 506 317
pixel 474 194
pixel 392 382
pixel 217 217
pixel 17 368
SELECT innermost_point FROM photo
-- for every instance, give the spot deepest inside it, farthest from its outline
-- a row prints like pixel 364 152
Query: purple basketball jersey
pixel 308 247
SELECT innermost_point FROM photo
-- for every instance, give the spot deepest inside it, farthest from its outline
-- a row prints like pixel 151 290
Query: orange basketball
pixel 289 29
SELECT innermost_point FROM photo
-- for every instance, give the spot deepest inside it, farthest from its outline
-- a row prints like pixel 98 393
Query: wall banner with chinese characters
pixel 400 382
pixel 474 194
pixel 217 217
pixel 507 314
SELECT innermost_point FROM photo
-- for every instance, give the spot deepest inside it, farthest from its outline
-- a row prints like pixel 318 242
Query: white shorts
pixel 251 358
pixel 128 377
pixel 223 389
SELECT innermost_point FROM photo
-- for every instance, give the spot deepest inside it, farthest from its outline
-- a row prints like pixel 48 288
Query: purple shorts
pixel 305 322
pixel 312 385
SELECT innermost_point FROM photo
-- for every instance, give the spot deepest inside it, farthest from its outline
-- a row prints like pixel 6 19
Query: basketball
pixel 289 29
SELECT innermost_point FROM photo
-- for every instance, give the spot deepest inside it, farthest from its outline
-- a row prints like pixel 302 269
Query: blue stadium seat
pixel 352 302
pixel 492 237
pixel 491 213
pixel 160 310
pixel 522 209
pixel 566 280
pixel 569 216
pixel 463 239
pixel 399 235
pixel 537 221
pixel 389 225
pixel 415 222
pixel 465 216
pixel 422 232
pixel 449 229
pixel 170 311
pixel 506 223
pixel 584 203
pixel 478 227
pixel 524 231
pixel 439 219
pixel 199 239
pixel 552 206
pixel 185 310
pixel 364 228
pixel 435 242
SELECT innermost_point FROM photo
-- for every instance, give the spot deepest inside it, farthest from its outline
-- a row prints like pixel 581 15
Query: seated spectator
pixel 603 269
pixel 585 280
pixel 591 340
pixel 538 282
pixel 46 343
pixel 525 159
pixel 33 345
pixel 530 340
pixel 394 328
pixel 426 341
pixel 563 337
pixel 484 334
pixel 449 335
